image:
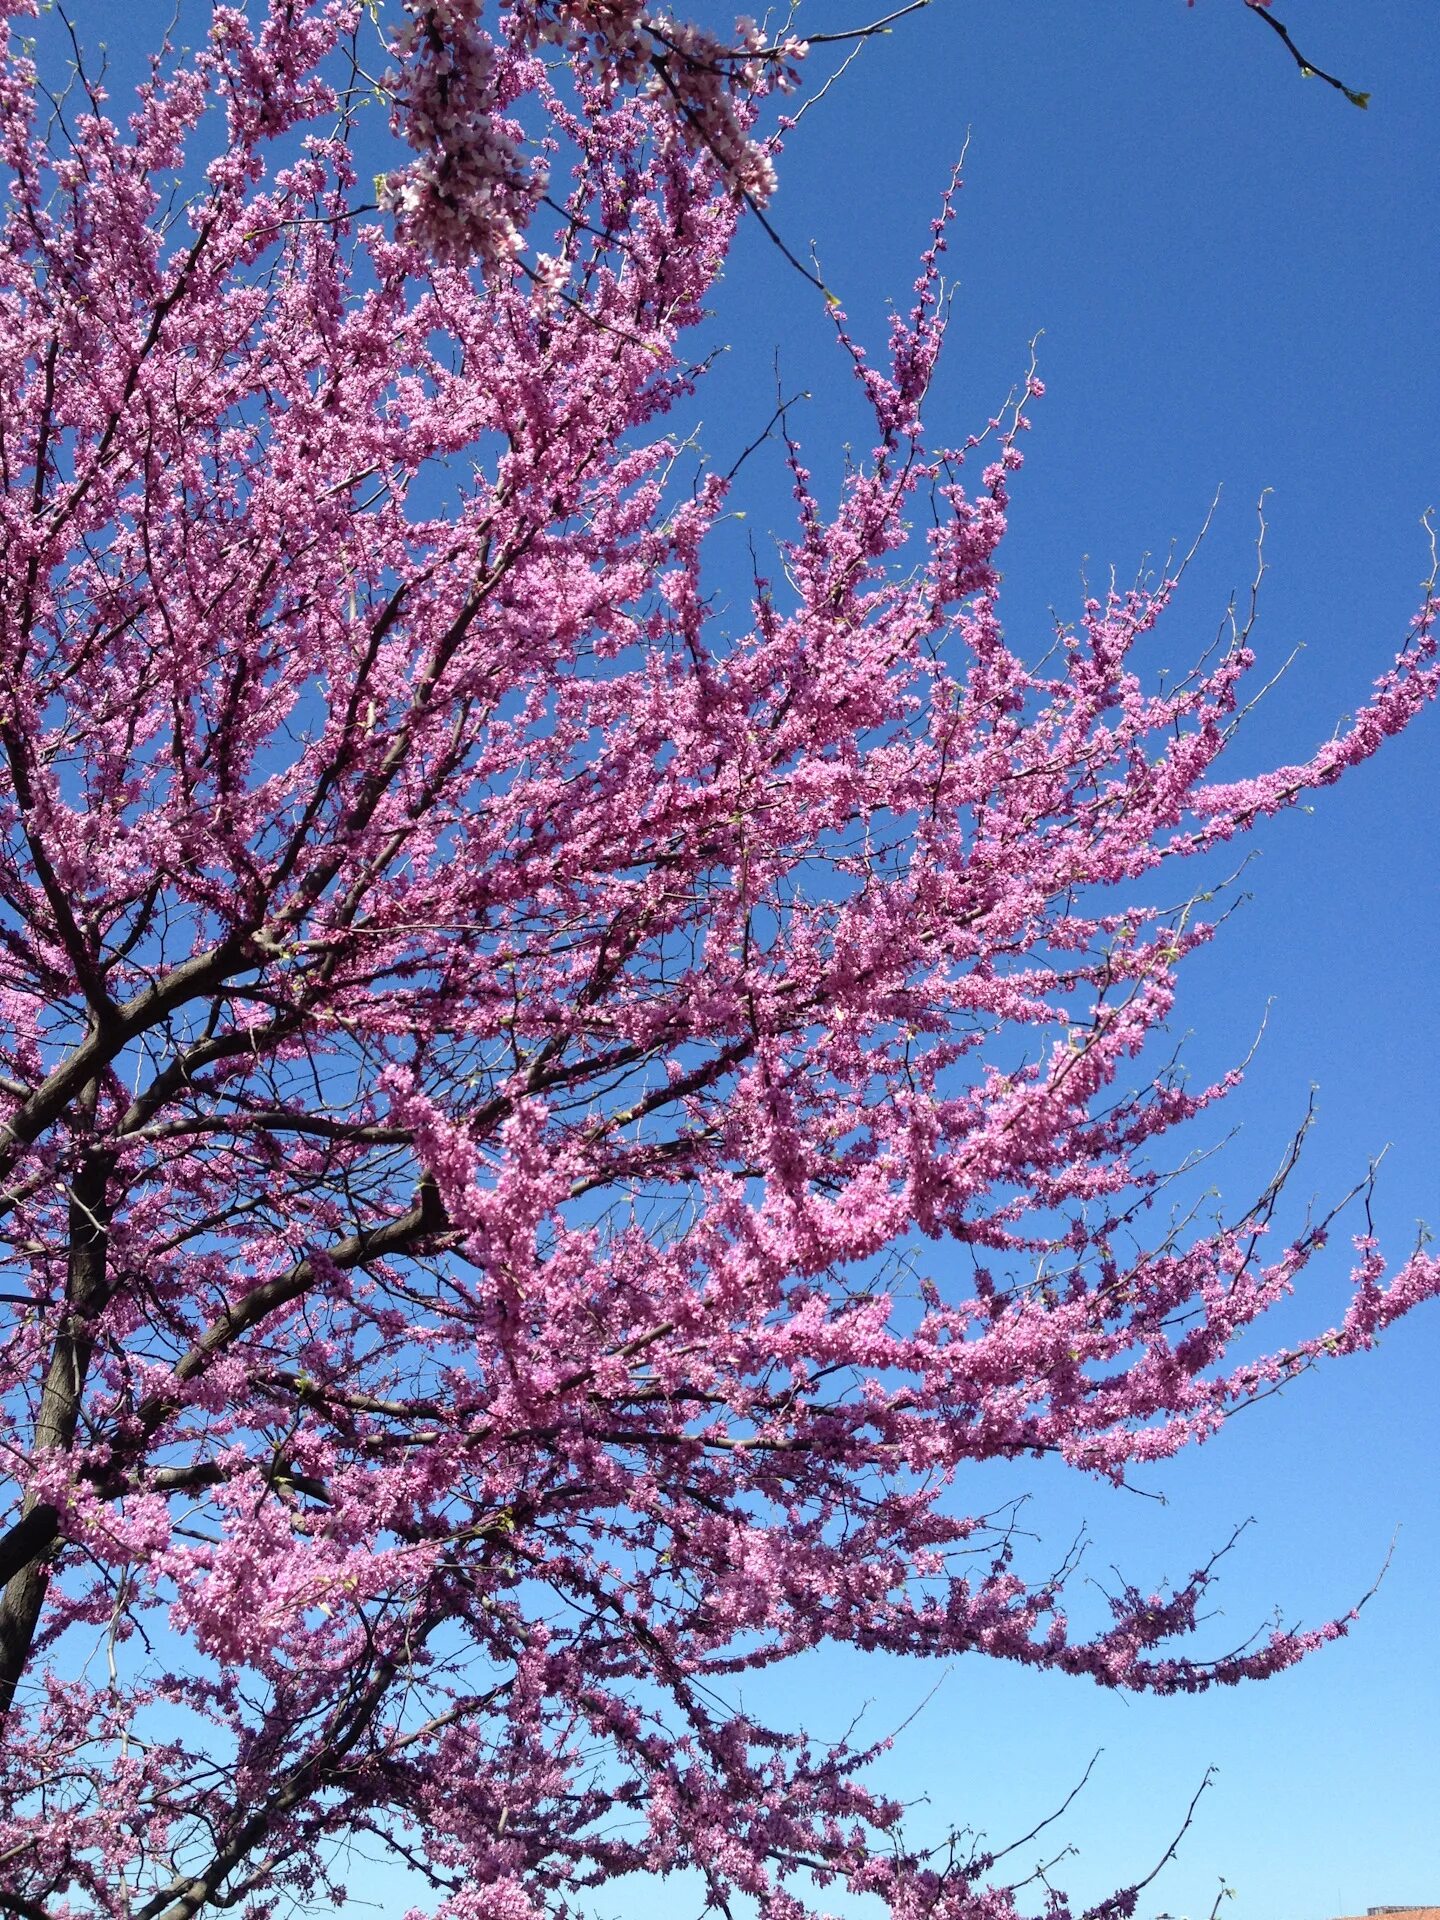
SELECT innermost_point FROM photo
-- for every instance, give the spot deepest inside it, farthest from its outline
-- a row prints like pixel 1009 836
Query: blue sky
pixel 1236 276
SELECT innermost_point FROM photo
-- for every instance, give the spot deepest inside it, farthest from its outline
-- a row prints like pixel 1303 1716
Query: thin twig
pixel 1307 67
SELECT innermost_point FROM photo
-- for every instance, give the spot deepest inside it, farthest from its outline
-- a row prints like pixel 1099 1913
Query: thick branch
pixel 59 1414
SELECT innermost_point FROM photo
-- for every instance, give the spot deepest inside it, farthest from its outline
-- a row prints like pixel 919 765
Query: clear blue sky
pixel 1236 274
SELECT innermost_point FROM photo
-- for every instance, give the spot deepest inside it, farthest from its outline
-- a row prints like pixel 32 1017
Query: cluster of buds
pixel 469 193
pixel 467 196
pixel 712 85
pixel 709 84
pixel 613 32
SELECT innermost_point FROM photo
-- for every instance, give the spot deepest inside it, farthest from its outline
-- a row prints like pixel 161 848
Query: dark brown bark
pixel 58 1417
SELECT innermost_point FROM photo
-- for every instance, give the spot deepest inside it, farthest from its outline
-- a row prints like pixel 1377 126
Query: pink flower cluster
pixel 470 193
pixel 457 93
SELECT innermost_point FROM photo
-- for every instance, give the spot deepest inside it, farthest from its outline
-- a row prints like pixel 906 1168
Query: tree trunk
pixel 59 1415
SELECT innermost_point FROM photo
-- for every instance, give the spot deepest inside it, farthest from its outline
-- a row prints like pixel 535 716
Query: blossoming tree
pixel 473 1035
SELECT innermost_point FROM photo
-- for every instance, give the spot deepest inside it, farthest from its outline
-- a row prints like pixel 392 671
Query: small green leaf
pixel 1361 100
